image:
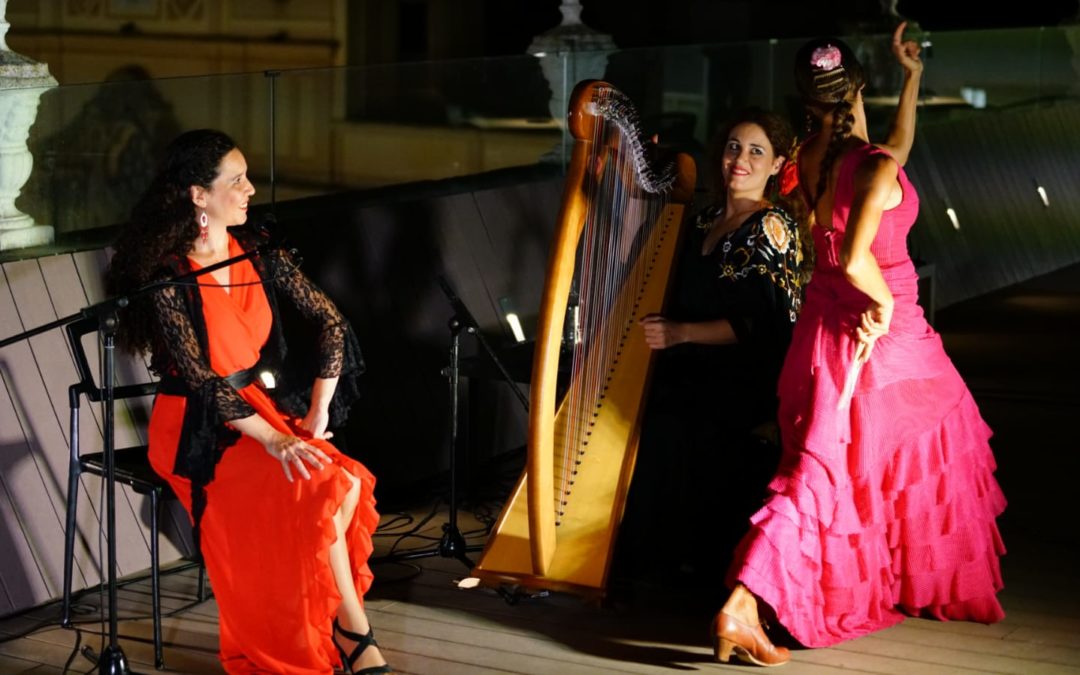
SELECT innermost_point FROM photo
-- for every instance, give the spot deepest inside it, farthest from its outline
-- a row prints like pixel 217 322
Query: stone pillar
pixel 569 53
pixel 22 81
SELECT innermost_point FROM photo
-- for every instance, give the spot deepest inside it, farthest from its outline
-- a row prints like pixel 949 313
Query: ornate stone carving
pixel 569 53
pixel 22 81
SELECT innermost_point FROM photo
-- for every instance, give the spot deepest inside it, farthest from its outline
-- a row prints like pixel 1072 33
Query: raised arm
pixel 902 132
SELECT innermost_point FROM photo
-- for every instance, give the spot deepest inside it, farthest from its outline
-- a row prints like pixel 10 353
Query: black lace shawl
pixel 180 348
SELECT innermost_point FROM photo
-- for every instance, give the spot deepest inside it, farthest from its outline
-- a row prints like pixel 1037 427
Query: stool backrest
pixel 87 384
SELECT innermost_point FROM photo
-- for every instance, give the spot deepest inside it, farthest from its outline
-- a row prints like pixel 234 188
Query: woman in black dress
pixel 709 442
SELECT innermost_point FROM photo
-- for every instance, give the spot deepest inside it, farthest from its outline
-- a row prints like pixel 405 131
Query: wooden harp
pixel 617 235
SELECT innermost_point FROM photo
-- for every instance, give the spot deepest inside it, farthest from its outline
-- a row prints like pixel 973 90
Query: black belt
pixel 175 385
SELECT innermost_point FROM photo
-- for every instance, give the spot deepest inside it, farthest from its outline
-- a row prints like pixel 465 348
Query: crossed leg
pixel 351 614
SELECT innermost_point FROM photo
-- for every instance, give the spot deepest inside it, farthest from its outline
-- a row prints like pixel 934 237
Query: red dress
pixel 888 502
pixel 265 540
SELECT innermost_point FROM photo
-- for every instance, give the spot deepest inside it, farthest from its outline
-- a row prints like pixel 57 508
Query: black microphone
pixel 459 307
pixel 268 226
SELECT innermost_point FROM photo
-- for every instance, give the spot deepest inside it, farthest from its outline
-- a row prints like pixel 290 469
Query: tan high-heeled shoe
pixel 749 643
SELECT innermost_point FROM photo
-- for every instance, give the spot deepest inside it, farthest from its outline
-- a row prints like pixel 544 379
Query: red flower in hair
pixel 789 177
pixel 789 173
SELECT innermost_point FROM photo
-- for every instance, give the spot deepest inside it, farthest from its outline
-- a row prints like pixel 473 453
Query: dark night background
pixel 512 24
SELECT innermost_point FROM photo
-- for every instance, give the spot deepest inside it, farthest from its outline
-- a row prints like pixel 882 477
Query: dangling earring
pixel 809 123
pixel 204 227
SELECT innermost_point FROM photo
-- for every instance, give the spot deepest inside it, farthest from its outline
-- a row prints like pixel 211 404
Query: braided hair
pixel 828 77
pixel 162 226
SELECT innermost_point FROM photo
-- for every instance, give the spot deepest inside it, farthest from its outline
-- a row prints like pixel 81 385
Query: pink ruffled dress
pixel 886 504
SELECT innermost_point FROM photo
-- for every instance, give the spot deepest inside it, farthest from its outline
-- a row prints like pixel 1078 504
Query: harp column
pixel 569 53
pixel 22 81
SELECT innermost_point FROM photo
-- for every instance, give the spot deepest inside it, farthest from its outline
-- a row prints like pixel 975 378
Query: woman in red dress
pixel 885 501
pixel 282 519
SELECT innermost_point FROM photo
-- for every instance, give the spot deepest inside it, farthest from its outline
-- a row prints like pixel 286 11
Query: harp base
pixel 514 587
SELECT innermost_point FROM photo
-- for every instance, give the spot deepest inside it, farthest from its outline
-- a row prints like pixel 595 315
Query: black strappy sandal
pixel 362 643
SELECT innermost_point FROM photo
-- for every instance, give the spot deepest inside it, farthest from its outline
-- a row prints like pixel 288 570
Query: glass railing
pixel 316 132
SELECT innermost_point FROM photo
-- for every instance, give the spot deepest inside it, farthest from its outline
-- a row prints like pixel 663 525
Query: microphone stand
pixel 452 544
pixel 463 316
pixel 112 660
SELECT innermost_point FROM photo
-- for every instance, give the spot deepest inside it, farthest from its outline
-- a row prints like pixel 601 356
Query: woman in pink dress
pixel 885 501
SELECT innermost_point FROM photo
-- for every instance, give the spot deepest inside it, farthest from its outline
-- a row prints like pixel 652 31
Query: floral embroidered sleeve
pixel 180 340
pixel 766 264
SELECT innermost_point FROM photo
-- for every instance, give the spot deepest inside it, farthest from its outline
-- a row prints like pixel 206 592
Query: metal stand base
pixel 452 544
pixel 112 661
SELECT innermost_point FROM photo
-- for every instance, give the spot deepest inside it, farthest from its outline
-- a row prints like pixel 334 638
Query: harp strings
pixel 619 218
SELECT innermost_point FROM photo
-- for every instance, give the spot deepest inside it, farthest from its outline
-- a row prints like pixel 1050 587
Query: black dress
pixel 708 441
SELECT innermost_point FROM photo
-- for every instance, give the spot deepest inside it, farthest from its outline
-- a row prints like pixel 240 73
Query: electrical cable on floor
pixel 414 532
pixel 89 654
pixel 414 571
pixel 392 524
pixel 485 513
pixel 74 650
pixel 86 649
pixel 79 626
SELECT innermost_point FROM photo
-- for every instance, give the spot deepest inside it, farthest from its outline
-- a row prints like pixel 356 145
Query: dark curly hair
pixel 829 90
pixel 162 227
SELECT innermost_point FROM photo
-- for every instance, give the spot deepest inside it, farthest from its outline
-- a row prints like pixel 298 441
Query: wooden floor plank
pixel 1051 645
pixel 918 657
pixel 54 653
pixel 11 664
pixel 416 664
pixel 137 643
pixel 491 657
pixel 427 625
pixel 539 650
